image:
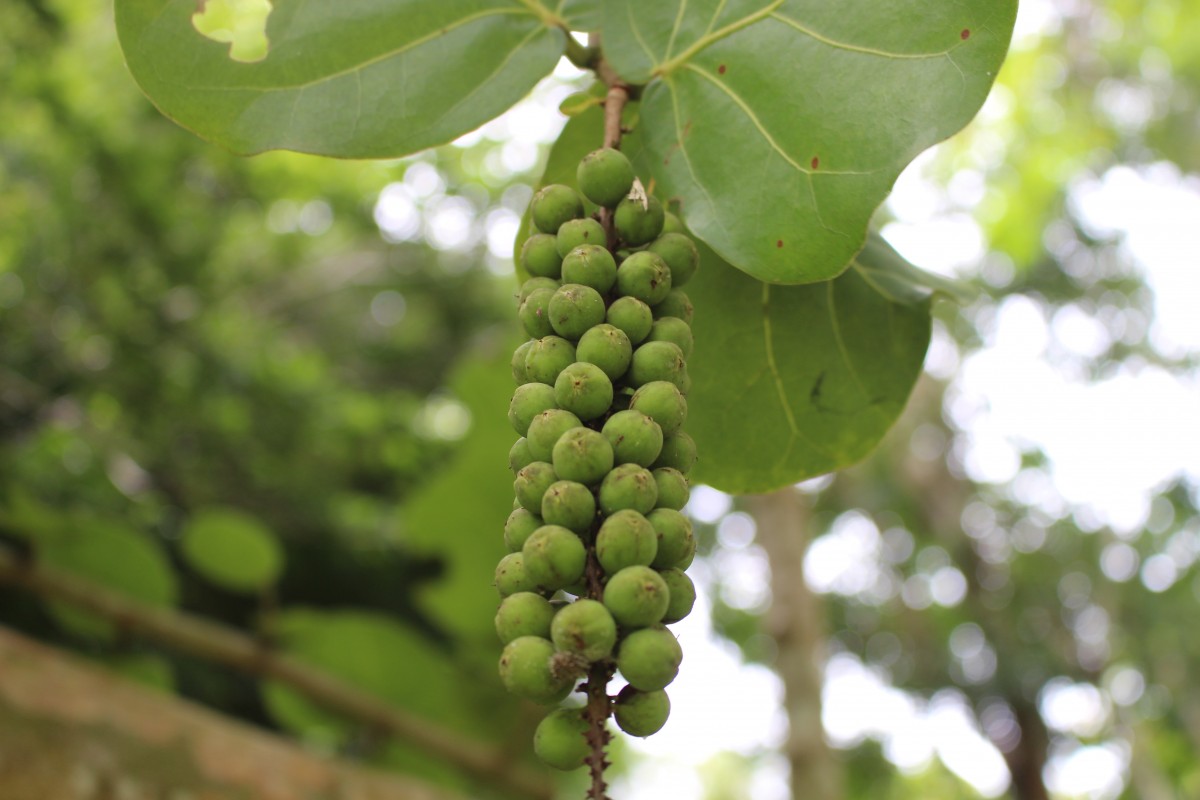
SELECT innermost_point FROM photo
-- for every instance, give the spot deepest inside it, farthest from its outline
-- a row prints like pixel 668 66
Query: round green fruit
pixel 641 713
pixel 545 430
pixel 662 402
pixel 584 390
pixel 539 256
pixel 672 223
pixel 554 205
pixel 605 176
pixel 678 452
pixel 529 400
pixel 585 628
pixel 672 329
pixel 673 489
pixel 534 313
pixel 625 539
pixel 590 265
pixel 511 576
pixel 636 596
pixel 531 484
pixel 637 223
pixel 547 357
pixel 675 538
pixel 682 593
pixel 524 614
pixel 570 505
pixel 525 670
pixel 645 276
pixel 572 310
pixel 681 256
pixel 657 361
pixel 649 658
pixel 675 304
pixel 519 455
pixel 635 437
pixel 583 455
pixel 560 740
pixel 518 363
pixel 554 556
pixel 632 316
pixel 518 527
pixel 578 232
pixel 628 486
pixel 608 348
pixel 532 285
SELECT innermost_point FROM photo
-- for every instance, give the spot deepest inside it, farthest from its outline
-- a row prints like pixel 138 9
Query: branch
pixel 191 634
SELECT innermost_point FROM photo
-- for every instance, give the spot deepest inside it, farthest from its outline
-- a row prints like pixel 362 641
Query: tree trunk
pixel 796 621
pixel 1027 760
pixel 71 731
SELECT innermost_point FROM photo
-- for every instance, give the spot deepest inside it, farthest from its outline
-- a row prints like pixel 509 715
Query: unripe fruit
pixel 546 428
pixel 675 304
pixel 632 316
pixel 524 614
pixel 547 357
pixel 608 348
pixel 641 713
pixel 673 489
pixel 532 482
pixel 511 576
pixel 525 671
pixel 672 223
pixel 628 486
pixel 554 205
pixel 590 265
pixel 662 402
pixel 657 361
pixel 527 402
pixel 573 309
pixel 554 557
pixel 586 628
pixel 649 658
pixel 605 176
pixel 532 285
pixel 637 224
pixel 682 593
pixel 535 315
pixel 518 527
pixel 519 455
pixel 636 597
pixel 673 329
pixel 674 534
pixel 635 438
pixel 539 256
pixel 681 256
pixel 583 455
pixel 518 363
pixel 584 390
pixel 570 505
pixel 645 276
pixel 625 539
pixel 578 232
pixel 679 452
pixel 560 739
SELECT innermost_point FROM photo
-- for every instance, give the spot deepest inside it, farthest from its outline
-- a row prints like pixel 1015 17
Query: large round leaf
pixel 781 126
pixel 363 79
pixel 232 549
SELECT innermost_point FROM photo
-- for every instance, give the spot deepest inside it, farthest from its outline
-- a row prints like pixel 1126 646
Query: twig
pixel 213 642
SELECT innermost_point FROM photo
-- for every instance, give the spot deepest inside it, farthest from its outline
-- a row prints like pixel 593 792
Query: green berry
pixel 547 357
pixel 554 205
pixel 649 658
pixel 585 628
pixel 635 437
pixel 675 304
pixel 578 232
pixel 641 713
pixel 531 484
pixel 672 224
pixel 512 577
pixel 682 593
pixel 582 455
pixel 518 363
pixel 544 430
pixel 679 451
pixel 672 329
pixel 591 265
pixel 573 309
pixel 560 740
pixel 554 557
pixel 626 539
pixel 539 256
pixel 535 315
pixel 681 256
pixel 584 390
pixel 525 671
pixel 519 455
pixel 570 505
pixel 662 402
pixel 521 523
pixel 673 490
pixel 636 597
pixel 645 276
pixel 637 224
pixel 675 537
pixel 524 614
pixel 608 348
pixel 532 285
pixel 628 486
pixel 605 176
pixel 527 402
pixel 657 361
pixel 632 316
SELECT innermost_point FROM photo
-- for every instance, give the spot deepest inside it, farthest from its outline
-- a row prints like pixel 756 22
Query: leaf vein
pixel 841 343
pixel 671 64
pixel 856 48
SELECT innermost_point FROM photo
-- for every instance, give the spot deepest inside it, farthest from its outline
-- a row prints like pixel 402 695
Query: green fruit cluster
pixel 597 540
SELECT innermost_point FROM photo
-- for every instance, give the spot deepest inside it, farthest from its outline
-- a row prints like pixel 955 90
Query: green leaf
pixel 370 79
pixel 899 280
pixel 791 382
pixel 583 15
pixel 232 549
pixel 116 557
pixel 781 126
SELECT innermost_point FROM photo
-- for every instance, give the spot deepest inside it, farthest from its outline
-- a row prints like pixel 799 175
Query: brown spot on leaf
pixel 816 162
pixel 721 69
pixel 966 34
pixel 779 243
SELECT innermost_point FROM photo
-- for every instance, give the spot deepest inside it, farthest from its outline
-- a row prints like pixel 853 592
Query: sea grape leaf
pixel 232 549
pixel 369 79
pixel 780 126
pixel 791 382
